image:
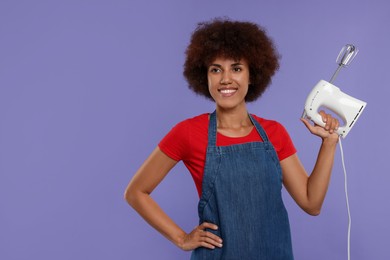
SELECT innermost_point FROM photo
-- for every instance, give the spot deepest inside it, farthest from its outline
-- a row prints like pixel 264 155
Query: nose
pixel 226 78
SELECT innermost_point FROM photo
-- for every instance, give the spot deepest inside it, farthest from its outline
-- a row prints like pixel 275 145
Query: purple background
pixel 88 88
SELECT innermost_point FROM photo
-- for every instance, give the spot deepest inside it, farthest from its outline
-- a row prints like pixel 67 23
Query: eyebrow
pixel 219 66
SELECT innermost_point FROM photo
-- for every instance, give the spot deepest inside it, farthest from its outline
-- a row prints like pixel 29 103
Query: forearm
pixel 137 194
pixel 319 179
pixel 309 190
pixel 144 204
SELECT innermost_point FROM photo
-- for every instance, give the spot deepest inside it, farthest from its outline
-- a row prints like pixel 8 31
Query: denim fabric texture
pixel 241 194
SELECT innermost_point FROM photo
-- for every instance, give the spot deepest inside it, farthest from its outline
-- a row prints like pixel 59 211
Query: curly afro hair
pixel 230 39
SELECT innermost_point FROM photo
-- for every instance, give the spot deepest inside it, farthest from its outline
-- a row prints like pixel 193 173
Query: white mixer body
pixel 327 95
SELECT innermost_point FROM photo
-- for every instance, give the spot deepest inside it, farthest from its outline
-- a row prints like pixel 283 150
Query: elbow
pixel 130 196
pixel 134 196
pixel 312 211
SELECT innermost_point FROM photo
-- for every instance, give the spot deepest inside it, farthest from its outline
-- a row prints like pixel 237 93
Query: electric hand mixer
pixel 327 95
pixel 348 108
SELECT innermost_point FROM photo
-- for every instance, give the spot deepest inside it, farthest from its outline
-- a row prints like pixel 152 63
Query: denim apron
pixel 241 194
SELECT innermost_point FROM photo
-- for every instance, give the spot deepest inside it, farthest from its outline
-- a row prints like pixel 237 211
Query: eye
pixel 237 69
pixel 214 70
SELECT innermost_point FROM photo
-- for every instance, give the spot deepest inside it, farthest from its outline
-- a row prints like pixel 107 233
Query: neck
pixel 233 118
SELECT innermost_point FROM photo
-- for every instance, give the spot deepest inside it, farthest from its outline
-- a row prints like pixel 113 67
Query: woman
pixel 238 161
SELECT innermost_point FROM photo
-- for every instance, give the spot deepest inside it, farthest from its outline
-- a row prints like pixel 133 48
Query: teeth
pixel 227 91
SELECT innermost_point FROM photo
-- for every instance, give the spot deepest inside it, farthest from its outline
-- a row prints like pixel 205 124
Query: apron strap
pixel 212 131
pixel 259 129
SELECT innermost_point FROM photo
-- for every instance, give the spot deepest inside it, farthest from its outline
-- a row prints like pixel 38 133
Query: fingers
pixel 329 129
pixel 210 240
pixel 331 123
pixel 200 237
pixel 205 225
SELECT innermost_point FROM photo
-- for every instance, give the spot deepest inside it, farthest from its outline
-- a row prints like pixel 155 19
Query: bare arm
pixel 309 191
pixel 137 194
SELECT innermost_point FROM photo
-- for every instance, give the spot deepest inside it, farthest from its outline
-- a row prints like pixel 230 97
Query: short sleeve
pixel 176 143
pixel 282 142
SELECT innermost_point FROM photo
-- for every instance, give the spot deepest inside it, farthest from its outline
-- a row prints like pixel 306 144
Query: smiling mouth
pixel 227 91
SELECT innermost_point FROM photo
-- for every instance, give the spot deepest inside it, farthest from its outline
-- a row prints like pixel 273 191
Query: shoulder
pixel 198 120
pixel 270 126
pixel 179 142
pixel 278 136
pixel 193 123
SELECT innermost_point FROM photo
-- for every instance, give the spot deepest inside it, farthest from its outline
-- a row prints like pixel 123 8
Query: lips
pixel 227 92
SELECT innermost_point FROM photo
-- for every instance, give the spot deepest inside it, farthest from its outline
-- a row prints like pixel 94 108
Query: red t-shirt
pixel 187 141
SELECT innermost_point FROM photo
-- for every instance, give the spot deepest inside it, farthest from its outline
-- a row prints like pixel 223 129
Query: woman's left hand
pixel 328 131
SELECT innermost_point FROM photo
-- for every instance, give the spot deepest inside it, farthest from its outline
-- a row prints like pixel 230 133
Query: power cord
pixel 347 200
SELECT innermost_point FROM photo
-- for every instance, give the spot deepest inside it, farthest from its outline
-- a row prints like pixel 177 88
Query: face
pixel 228 82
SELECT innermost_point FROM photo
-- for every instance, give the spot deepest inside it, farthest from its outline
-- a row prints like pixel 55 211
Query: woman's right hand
pixel 199 237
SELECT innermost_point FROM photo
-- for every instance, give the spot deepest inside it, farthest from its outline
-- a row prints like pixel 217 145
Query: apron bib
pixel 241 194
